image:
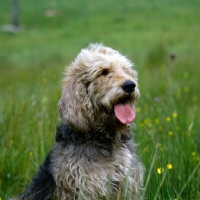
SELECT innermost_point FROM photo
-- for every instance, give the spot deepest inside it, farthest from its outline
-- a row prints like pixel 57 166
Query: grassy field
pixel 162 38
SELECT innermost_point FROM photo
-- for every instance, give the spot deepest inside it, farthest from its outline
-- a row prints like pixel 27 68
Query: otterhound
pixel 94 156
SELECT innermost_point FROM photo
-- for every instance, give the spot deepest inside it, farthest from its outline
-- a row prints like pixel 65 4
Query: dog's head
pixel 100 87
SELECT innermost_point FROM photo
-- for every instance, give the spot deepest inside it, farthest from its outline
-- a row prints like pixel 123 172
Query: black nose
pixel 129 86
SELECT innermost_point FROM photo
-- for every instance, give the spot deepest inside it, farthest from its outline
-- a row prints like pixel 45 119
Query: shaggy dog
pixel 94 156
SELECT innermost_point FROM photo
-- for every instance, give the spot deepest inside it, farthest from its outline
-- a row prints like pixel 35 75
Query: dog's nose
pixel 129 86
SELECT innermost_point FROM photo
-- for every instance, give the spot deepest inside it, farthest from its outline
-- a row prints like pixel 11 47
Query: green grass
pixel 31 69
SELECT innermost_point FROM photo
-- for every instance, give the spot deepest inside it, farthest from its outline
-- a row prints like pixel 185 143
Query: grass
pixel 150 33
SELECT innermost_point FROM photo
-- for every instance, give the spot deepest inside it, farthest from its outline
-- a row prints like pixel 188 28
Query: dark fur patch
pixel 100 142
pixel 97 138
pixel 42 185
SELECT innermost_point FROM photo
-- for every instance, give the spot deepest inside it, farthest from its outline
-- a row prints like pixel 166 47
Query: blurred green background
pixel 162 38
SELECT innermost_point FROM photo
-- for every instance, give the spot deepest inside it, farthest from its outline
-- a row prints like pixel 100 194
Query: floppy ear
pixel 75 106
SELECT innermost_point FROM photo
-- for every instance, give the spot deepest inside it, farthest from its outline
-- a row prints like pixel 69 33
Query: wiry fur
pixel 94 156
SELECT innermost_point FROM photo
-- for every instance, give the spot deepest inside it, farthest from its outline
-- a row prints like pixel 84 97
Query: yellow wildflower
pixel 30 153
pixel 193 153
pixel 158 144
pixel 156 121
pixel 174 115
pixel 138 109
pixel 168 119
pixel 141 125
pixel 169 166
pixel 160 170
pixel 146 121
pixel 170 133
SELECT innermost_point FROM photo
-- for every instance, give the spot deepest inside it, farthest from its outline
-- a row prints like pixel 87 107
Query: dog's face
pixel 100 86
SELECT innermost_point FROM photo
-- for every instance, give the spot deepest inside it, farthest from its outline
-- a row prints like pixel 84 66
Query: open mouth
pixel 122 110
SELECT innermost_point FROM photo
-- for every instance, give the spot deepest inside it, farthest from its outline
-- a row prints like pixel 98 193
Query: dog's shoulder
pixel 64 133
pixel 42 185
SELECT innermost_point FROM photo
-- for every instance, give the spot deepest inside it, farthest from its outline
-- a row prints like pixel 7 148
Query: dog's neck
pixel 96 134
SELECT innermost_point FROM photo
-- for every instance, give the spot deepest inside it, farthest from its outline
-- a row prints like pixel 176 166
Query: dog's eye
pixel 105 72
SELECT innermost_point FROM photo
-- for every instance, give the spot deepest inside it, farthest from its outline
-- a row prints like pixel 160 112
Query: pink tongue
pixel 124 113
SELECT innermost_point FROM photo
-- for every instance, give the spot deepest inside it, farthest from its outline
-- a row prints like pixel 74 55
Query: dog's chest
pixel 77 172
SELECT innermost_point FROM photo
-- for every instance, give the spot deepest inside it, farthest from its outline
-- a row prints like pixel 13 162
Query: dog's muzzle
pixel 129 86
pixel 107 111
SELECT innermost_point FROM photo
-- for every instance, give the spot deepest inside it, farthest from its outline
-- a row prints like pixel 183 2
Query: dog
pixel 94 155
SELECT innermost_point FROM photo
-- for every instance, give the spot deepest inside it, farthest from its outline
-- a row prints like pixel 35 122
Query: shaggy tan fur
pixel 94 156
pixel 94 79
pixel 93 85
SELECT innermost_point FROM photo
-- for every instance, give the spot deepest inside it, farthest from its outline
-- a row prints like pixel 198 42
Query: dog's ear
pixel 74 106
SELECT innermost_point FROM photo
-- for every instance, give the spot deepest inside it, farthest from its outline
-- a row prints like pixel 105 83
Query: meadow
pixel 162 38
